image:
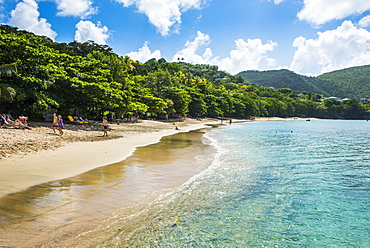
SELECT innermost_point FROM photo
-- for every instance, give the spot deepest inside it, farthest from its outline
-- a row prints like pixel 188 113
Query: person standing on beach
pixel 60 125
pixel 105 126
pixel 55 122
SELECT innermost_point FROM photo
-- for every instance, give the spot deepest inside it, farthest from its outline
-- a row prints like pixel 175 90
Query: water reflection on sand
pixel 54 212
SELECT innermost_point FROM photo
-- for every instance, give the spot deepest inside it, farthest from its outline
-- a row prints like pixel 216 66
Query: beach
pixel 35 163
pixel 30 157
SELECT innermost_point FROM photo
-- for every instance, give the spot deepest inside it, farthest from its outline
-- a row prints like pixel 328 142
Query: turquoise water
pixel 272 184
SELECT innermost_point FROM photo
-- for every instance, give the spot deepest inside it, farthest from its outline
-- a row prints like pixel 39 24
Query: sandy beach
pixel 30 157
pixel 40 157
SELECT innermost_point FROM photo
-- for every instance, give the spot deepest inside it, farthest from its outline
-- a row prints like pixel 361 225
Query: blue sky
pixel 309 37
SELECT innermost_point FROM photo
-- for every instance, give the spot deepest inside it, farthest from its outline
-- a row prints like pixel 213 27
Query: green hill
pixel 352 82
pixel 284 79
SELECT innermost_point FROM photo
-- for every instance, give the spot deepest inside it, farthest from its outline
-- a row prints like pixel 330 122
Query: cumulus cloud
pixel 76 8
pixel 26 16
pixel 86 30
pixel 163 14
pixel 191 47
pixel 144 54
pixel 248 55
pixel 364 22
pixel 319 12
pixel 335 49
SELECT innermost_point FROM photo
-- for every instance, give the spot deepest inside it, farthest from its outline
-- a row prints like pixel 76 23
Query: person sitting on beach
pixel 15 122
pixel 105 126
pixel 23 119
pixel 60 125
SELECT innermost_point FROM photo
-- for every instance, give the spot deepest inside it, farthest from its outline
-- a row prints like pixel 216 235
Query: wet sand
pixel 53 214
pixel 20 170
pixel 43 202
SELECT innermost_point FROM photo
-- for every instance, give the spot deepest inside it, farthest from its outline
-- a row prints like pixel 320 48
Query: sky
pixel 309 37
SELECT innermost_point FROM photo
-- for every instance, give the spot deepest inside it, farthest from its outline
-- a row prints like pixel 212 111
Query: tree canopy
pixel 90 79
pixel 351 83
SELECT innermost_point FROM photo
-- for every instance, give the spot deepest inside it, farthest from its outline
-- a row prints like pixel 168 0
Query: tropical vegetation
pixel 352 83
pixel 88 79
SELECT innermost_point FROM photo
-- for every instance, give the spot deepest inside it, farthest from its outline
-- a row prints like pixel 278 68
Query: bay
pixel 271 184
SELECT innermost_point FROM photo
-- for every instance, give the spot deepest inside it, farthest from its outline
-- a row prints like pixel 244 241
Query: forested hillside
pixel 351 83
pixel 87 79
pixel 283 79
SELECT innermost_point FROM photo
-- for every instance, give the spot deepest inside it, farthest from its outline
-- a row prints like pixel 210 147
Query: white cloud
pixel 189 52
pixel 86 30
pixel 26 16
pixel 364 22
pixel 144 54
pixel 76 8
pixel 319 12
pixel 270 62
pixel 163 14
pixel 277 1
pixel 250 55
pixel 335 49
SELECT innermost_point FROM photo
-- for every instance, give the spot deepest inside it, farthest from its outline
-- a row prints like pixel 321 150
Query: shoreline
pixel 52 157
pixel 76 158
pixel 18 173
pixel 59 212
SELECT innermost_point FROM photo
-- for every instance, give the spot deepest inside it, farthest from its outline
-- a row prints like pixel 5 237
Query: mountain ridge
pixel 352 82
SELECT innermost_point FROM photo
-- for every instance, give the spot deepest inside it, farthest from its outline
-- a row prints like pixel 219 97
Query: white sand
pixel 20 173
pixel 29 157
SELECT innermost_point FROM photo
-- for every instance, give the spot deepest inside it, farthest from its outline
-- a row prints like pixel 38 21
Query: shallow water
pixel 271 184
pixel 54 213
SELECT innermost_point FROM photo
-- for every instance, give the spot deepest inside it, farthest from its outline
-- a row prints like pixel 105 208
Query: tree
pixel 6 91
pixel 8 69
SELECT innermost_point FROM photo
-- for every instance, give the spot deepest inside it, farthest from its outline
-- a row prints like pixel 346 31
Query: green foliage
pixel 6 91
pixel 8 69
pixel 283 79
pixel 90 79
pixel 350 83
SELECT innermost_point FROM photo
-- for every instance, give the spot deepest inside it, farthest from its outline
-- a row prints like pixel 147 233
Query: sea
pixel 270 184
pixel 254 184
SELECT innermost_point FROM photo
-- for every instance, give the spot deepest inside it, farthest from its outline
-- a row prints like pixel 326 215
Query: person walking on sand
pixel 105 126
pixel 60 125
pixel 55 122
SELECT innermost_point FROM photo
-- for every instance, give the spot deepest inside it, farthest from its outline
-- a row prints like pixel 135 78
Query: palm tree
pixel 8 69
pixel 6 91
